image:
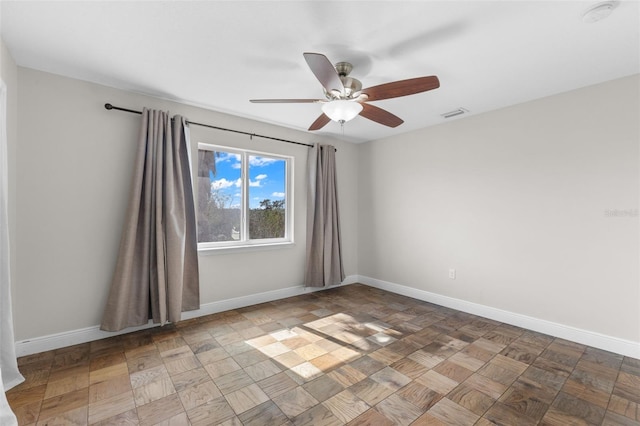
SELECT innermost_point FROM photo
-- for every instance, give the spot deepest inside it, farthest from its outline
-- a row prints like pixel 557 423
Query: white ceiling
pixel 220 54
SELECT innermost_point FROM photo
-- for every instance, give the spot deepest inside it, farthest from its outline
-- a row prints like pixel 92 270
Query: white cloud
pixel 258 182
pixel 224 183
pixel 261 161
pixel 226 157
pixel 278 194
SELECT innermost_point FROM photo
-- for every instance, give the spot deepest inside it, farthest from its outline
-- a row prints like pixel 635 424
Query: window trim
pixel 264 243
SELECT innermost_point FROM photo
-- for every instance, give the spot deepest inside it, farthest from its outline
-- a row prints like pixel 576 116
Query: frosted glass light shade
pixel 341 110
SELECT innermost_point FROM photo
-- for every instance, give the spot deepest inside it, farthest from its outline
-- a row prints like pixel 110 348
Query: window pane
pixel 219 196
pixel 267 197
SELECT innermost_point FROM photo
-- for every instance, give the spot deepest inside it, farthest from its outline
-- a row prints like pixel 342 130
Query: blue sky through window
pixel 266 179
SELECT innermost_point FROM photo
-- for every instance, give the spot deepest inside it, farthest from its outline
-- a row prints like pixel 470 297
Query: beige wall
pixel 516 201
pixel 74 170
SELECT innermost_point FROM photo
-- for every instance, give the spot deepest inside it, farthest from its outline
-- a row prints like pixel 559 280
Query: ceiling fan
pixel 345 97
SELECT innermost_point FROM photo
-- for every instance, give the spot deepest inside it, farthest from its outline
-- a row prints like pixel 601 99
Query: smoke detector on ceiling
pixel 599 12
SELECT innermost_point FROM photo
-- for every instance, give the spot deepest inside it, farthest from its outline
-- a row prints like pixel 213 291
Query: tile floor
pixel 350 355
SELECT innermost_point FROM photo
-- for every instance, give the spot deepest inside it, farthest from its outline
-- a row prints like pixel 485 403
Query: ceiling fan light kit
pixel 345 97
pixel 341 110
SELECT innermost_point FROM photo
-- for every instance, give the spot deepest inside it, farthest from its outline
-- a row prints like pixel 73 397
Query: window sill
pixel 206 251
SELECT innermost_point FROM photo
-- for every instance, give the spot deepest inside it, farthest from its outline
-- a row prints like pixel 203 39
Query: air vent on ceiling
pixel 454 113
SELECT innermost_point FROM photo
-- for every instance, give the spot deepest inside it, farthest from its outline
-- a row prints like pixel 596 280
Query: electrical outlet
pixel 452 274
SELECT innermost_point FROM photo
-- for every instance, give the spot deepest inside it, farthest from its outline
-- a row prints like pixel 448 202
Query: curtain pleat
pixel 324 253
pixel 156 274
pixel 182 253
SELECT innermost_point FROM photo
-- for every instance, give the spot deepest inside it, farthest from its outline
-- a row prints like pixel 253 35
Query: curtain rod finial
pixel 108 106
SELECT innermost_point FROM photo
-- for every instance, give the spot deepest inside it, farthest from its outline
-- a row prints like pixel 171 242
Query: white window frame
pixel 245 242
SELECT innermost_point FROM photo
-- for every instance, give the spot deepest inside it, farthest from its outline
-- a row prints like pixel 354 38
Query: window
pixel 244 197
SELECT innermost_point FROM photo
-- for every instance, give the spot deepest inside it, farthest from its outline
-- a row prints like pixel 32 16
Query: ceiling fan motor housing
pixel 352 86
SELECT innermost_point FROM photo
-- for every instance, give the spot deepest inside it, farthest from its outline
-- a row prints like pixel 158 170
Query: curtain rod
pixel 110 107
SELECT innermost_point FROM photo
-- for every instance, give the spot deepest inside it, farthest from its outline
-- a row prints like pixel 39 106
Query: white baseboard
pixel 590 338
pixel 89 334
pixel 68 338
pixel 585 337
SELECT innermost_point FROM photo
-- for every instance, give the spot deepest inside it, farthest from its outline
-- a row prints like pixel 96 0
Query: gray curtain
pixel 157 270
pixel 324 253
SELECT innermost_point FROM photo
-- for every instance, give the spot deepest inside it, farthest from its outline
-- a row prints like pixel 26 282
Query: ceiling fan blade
pixel 320 122
pixel 324 71
pixel 401 88
pixel 285 101
pixel 380 115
